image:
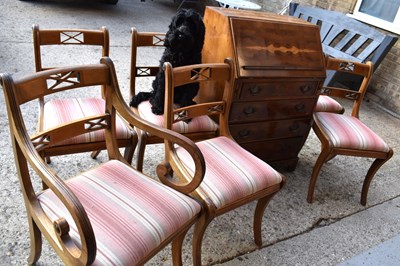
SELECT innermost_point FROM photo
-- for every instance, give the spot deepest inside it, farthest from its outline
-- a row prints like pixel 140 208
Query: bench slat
pixel 357 45
pixel 345 40
pixel 345 37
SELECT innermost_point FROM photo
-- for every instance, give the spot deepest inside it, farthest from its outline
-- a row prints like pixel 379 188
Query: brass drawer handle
pixel 305 88
pixel 248 110
pixel 244 133
pixel 255 90
pixel 294 127
pixel 299 107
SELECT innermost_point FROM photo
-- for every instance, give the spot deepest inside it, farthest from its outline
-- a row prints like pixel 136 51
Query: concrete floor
pixel 332 230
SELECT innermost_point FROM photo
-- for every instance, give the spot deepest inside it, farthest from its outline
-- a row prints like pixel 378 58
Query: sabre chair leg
pixel 368 178
pixel 130 150
pixel 198 233
pixel 94 154
pixel 317 168
pixel 35 240
pixel 258 216
pixel 177 248
pixel 141 148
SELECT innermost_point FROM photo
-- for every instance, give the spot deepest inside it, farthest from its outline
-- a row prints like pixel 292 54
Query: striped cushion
pixel 130 213
pixel 232 172
pixel 349 132
pixel 327 104
pixel 61 111
pixel 197 124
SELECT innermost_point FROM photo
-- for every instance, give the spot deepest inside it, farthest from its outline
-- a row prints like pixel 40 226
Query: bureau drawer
pixel 275 150
pixel 269 130
pixel 265 90
pixel 270 110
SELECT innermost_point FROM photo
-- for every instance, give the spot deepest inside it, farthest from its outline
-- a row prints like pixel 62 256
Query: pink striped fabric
pixel 327 104
pixel 232 172
pixel 61 111
pixel 130 213
pixel 197 124
pixel 349 132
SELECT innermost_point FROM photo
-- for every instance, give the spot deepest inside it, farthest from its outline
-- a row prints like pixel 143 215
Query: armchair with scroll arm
pixel 111 214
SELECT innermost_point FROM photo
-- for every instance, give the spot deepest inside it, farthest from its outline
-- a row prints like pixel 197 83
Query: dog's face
pixel 186 32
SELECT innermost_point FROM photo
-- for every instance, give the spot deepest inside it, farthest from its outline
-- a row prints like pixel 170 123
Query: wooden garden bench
pixel 346 38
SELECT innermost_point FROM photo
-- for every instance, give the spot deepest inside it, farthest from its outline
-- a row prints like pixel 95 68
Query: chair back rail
pixel 362 70
pixel 68 37
pixel 67 79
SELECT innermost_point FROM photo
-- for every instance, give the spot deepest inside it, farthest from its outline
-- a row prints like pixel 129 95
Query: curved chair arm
pixel 26 152
pixel 115 100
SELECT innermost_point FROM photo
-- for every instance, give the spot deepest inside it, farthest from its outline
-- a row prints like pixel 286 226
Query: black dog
pixel 183 44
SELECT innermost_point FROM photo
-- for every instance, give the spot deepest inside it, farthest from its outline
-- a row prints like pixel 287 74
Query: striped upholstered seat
pixel 349 132
pixel 327 104
pixel 232 173
pixel 197 124
pixel 123 207
pixel 59 111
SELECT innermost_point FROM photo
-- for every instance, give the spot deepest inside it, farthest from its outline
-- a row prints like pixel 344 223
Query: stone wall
pixel 384 89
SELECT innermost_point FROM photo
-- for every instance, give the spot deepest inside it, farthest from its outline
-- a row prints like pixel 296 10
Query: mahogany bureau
pixel 279 68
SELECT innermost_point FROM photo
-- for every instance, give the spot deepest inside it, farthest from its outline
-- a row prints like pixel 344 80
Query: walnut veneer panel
pixel 276 49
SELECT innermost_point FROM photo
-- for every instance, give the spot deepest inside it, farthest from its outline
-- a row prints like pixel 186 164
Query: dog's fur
pixel 183 44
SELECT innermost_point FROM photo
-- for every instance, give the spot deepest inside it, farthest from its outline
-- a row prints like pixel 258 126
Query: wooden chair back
pixel 138 40
pixel 47 83
pixel 76 42
pixel 362 70
pixel 68 37
pixel 201 73
pixel 153 44
pixel 75 37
